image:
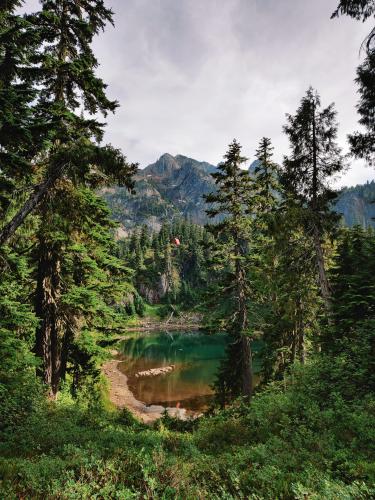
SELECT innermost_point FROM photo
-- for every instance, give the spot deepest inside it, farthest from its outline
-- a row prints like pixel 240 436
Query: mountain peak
pixel 173 187
pixel 165 165
pixel 166 157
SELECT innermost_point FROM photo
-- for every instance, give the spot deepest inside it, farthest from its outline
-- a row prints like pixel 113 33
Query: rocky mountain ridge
pixel 173 187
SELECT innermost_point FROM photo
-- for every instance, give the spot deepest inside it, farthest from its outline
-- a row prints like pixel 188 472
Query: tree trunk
pixel 247 368
pixel 323 281
pixel 300 331
pixel 48 340
pixel 35 198
pixel 322 275
pixel 294 346
pixel 242 322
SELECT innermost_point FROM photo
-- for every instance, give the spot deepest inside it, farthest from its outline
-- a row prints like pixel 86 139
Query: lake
pixel 195 357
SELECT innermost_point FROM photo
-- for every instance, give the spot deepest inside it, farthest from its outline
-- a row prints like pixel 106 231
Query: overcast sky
pixel 191 75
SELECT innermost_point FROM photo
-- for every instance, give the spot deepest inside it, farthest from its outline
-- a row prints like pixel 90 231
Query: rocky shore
pixel 121 396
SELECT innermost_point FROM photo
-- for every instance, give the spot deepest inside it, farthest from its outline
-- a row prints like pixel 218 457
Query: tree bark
pixel 322 275
pixel 247 368
pixel 48 336
pixel 246 354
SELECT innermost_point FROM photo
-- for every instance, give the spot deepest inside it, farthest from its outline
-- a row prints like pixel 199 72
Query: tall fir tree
pixel 266 177
pixel 233 200
pixel 72 159
pixel 314 160
pixel 64 71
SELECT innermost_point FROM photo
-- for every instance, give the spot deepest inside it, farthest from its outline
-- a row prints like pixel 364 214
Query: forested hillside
pixel 258 257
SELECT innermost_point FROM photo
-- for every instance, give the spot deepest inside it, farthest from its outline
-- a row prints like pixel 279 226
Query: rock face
pixel 357 205
pixel 173 187
pixel 168 189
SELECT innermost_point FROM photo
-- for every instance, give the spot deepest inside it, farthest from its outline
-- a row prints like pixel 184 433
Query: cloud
pixel 191 75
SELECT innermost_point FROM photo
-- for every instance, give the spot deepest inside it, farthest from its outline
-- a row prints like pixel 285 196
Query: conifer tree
pixel 363 143
pixel 72 160
pixel 266 177
pixel 360 10
pixel 287 276
pixel 315 158
pixel 282 280
pixel 353 282
pixel 233 199
pixel 64 69
pixel 145 240
pixel 20 130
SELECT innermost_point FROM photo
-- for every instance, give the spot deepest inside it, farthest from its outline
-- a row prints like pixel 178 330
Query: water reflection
pixel 195 356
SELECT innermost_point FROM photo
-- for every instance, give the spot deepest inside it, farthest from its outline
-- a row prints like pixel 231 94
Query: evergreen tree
pixel 315 158
pixel 281 272
pixel 233 199
pixel 266 177
pixel 359 9
pixel 70 162
pixel 291 307
pixel 363 143
pixel 20 130
pixel 145 238
pixel 64 70
pixel 353 283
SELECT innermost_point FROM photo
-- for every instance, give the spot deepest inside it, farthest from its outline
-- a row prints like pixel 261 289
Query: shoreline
pixel 149 323
pixel 159 327
pixel 122 397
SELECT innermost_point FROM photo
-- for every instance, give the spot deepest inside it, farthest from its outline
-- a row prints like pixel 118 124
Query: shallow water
pixel 196 357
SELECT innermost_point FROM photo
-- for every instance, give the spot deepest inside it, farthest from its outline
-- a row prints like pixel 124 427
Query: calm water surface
pixel 196 357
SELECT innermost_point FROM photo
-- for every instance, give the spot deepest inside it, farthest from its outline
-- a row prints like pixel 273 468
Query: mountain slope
pixel 173 187
pixel 357 206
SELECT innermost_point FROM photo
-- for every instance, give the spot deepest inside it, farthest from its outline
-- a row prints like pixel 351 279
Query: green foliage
pixel 18 387
pixel 166 272
pixel 312 434
pixel 353 286
pixel 235 199
pixel 291 305
pixel 65 286
pixel 362 143
pixel 315 155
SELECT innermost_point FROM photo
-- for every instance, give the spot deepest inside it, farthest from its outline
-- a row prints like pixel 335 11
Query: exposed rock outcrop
pixel 174 186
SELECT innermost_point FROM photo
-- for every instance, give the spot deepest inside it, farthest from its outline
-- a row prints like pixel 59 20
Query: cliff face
pixel 170 188
pixel 182 182
pixel 357 205
pixel 173 187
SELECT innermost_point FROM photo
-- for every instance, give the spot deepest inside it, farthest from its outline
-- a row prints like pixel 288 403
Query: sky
pixel 191 75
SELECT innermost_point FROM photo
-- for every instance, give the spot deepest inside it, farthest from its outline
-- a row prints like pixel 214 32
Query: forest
pixel 292 413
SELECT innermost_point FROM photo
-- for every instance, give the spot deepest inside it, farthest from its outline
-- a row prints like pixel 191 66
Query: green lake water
pixel 196 357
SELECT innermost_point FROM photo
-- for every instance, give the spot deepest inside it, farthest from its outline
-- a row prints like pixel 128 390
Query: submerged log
pixel 152 372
